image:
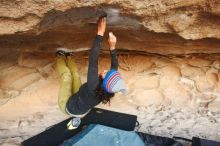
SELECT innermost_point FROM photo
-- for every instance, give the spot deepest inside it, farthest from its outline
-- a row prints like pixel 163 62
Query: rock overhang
pixel 168 28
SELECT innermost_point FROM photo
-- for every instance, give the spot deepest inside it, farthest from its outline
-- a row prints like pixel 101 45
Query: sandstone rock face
pixel 161 26
pixel 151 79
pixel 162 91
pixel 189 19
pixel 168 51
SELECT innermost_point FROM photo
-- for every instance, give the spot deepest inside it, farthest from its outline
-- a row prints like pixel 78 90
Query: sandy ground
pixel 29 106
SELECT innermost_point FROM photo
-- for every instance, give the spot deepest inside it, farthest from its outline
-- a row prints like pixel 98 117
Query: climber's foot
pixel 64 52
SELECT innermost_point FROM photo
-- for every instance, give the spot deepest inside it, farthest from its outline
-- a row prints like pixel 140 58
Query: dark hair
pixel 102 94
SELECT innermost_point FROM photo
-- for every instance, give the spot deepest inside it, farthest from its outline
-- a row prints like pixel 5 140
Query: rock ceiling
pixel 161 26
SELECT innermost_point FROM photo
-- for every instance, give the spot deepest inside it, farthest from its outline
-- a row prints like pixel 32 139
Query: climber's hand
pixel 112 41
pixel 101 26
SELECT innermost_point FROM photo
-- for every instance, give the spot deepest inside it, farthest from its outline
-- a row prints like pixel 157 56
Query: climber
pixel 76 99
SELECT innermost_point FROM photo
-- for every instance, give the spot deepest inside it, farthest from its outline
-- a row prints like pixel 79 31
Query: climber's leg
pixel 76 81
pixel 65 90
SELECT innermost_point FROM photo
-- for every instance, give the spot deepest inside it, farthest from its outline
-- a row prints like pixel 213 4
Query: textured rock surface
pixel 190 19
pixel 161 26
pixel 191 81
pixel 161 85
pixel 168 98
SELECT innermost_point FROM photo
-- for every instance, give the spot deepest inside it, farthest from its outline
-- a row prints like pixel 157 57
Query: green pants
pixel 69 80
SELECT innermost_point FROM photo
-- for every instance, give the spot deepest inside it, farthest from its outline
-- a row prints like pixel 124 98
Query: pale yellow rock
pixel 201 99
pixel 25 81
pixel 190 71
pixel 219 75
pixel 146 82
pixel 8 93
pixel 185 21
pixel 10 75
pixel 33 60
pixel 187 83
pixel 215 105
pixel 161 62
pixel 4 94
pixel 203 84
pixel 218 86
pixel 212 78
pixel 199 62
pixel 171 71
pixel 174 92
pixel 216 64
pixel 148 97
pixel 139 64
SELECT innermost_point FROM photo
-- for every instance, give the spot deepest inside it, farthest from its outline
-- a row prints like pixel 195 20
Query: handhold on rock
pixel 101 14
